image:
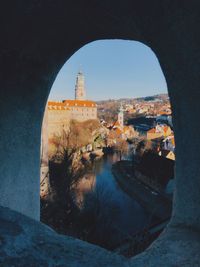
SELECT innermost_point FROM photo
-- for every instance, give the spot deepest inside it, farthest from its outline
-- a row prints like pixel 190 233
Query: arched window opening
pixel 107 156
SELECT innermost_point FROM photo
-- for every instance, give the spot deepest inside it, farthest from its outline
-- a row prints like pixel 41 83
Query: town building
pixel 119 131
pixel 159 131
pixel 61 112
pixel 167 154
pixel 57 118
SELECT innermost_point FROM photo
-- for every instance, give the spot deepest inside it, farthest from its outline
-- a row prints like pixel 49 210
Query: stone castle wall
pixel 83 113
pixel 57 121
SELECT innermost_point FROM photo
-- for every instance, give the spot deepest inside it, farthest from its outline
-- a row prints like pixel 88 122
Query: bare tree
pixel 122 147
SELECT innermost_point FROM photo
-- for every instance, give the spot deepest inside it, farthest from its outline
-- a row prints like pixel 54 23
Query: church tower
pixel 121 116
pixel 80 87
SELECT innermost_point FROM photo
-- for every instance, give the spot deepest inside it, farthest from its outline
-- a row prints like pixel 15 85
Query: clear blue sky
pixel 112 69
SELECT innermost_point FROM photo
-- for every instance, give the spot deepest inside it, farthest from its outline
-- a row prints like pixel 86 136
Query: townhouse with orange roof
pixel 159 131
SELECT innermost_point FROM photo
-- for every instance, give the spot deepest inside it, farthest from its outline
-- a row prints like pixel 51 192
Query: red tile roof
pixel 165 128
pixel 116 124
pixel 80 103
pixel 65 104
pixel 153 130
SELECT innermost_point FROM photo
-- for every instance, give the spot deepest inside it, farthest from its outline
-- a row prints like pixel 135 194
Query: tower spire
pixel 121 116
pixel 80 87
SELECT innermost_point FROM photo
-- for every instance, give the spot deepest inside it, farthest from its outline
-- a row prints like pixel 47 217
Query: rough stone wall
pixel 44 140
pixel 37 37
pixel 57 121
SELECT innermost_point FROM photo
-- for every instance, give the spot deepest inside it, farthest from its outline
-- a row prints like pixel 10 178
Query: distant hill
pixel 154 97
pixel 163 97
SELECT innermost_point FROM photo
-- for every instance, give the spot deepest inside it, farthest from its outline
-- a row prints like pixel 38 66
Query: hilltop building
pixel 60 113
pixel 57 118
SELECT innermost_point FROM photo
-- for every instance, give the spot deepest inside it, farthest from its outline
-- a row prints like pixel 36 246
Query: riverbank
pixel 156 204
pixel 92 207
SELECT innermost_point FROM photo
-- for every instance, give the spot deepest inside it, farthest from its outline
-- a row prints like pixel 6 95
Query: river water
pixel 109 215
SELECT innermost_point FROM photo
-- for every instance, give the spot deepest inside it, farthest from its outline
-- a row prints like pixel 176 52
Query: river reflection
pixel 108 215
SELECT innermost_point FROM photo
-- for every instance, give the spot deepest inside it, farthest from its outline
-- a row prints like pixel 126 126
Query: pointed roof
pixel 152 130
pixel 116 124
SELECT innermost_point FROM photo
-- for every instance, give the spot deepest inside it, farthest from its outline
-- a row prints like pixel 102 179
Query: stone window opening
pixel 171 31
pixel 92 115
